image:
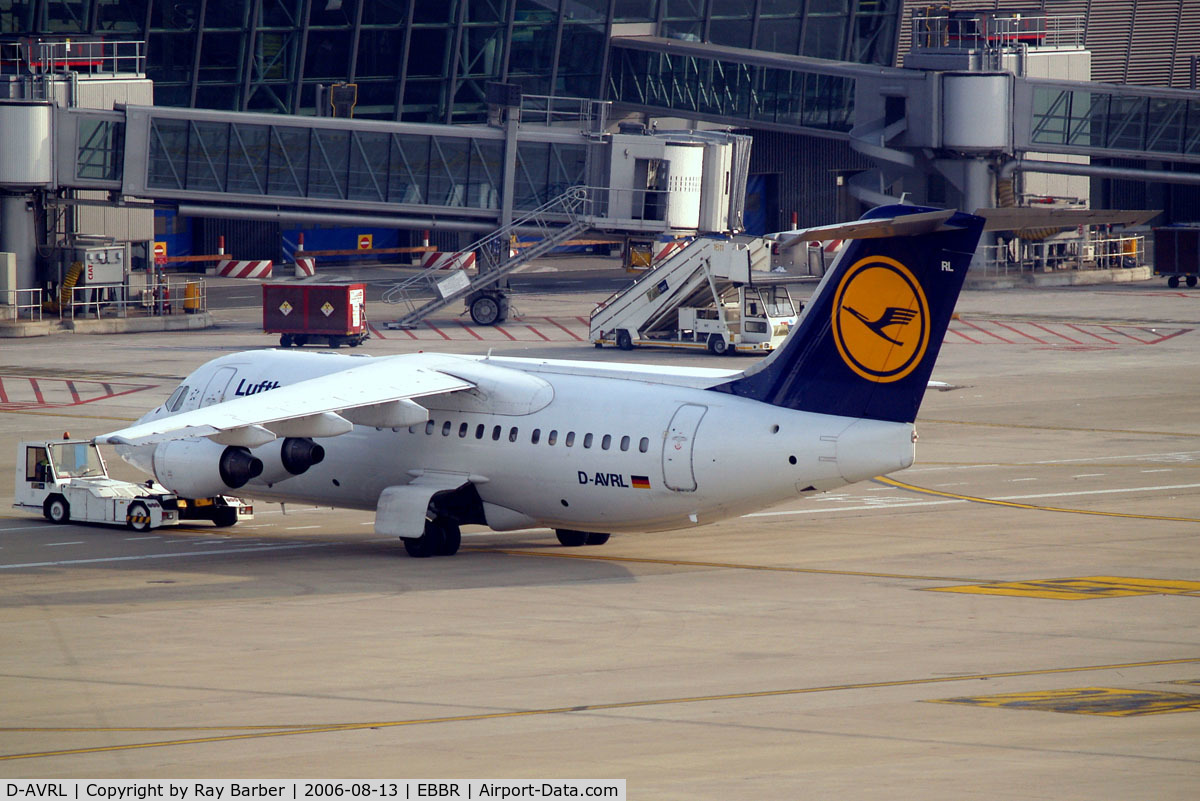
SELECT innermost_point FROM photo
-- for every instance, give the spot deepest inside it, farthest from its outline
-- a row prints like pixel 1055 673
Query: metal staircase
pixel 493 261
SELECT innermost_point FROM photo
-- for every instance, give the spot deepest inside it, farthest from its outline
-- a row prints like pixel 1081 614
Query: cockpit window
pixel 176 400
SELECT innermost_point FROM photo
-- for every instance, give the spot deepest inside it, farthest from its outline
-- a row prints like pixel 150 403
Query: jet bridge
pixel 472 178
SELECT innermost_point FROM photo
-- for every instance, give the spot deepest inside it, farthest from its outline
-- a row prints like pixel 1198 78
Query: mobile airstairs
pixel 555 222
pixel 715 293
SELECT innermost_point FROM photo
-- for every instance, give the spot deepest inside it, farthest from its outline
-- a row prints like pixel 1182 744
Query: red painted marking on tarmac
pixel 1092 334
pixel 1180 332
pixel 73 386
pixel 984 331
pixel 467 328
pixel 375 332
pixel 500 328
pixel 1055 333
pixel 964 336
pixel 1126 334
pixel 436 330
pixel 584 320
pixel 539 333
pixel 570 333
pixel 1022 333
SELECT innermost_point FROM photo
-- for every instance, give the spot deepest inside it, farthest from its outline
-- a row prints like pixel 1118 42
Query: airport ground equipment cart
pixel 302 314
pixel 68 480
pixel 715 293
pixel 1177 253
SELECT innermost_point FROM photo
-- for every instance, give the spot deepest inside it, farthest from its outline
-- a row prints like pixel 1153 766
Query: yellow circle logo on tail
pixel 880 319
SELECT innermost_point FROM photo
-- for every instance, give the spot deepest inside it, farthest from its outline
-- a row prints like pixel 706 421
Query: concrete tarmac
pixel 1016 616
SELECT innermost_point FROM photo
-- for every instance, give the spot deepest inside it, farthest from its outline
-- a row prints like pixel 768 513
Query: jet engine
pixel 200 468
pixel 291 457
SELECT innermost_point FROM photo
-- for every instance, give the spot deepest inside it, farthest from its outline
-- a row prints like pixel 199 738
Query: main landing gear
pixel 573 539
pixel 441 538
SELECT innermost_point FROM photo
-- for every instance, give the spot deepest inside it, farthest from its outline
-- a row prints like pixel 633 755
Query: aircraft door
pixel 677 448
pixel 215 391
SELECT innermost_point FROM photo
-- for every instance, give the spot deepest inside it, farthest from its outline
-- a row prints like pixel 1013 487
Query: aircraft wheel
pixel 718 345
pixel 624 341
pixel 485 310
pixel 571 539
pixel 451 538
pixel 595 538
pixel 56 509
pixel 1173 282
pixel 137 517
pixel 418 547
pixel 225 517
pixel 1191 280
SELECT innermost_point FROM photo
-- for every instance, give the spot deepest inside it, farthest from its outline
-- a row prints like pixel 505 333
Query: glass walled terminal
pixel 429 60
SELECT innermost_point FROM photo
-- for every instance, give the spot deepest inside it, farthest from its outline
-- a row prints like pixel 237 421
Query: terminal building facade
pixel 784 71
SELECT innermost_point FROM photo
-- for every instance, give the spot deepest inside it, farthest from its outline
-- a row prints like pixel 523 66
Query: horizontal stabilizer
pixel 907 225
pixel 1021 217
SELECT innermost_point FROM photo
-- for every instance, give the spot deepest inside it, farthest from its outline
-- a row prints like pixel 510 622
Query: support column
pixel 18 234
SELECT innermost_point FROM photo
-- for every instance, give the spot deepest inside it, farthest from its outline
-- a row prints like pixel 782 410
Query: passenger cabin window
pixel 553 438
pixel 587 440
pixel 496 434
pixel 462 429
pixel 430 426
pixel 537 435
pixel 606 443
pixel 570 438
pixel 644 444
pixel 625 443
pixel 446 428
pixel 512 434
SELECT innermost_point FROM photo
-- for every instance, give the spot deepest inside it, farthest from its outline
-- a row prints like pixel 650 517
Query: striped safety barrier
pixel 668 248
pixel 305 267
pixel 244 269
pixel 448 261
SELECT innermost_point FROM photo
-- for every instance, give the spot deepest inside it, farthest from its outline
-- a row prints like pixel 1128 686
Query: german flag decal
pixel 640 482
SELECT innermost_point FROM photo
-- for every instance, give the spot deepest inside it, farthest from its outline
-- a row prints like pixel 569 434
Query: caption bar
pixel 294 790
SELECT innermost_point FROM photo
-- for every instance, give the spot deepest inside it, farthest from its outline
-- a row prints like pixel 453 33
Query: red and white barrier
pixel 305 267
pixel 666 249
pixel 448 261
pixel 244 269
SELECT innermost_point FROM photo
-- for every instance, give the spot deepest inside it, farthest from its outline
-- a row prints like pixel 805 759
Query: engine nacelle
pixel 202 468
pixel 291 457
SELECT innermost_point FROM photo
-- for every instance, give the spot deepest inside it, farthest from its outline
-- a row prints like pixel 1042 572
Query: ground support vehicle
pixel 67 480
pixel 716 293
pixel 1177 254
pixel 302 313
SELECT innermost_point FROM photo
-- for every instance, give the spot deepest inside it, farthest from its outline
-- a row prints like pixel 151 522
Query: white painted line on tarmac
pixel 1014 480
pixel 66 562
pixel 53 544
pixel 914 504
pixel 131 539
pixel 42 527
pixel 1088 475
pixel 299 528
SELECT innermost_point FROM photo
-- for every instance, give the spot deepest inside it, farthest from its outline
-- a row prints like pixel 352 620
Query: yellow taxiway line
pixel 891 482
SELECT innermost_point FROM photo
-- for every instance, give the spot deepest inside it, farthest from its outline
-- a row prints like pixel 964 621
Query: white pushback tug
pixel 68 480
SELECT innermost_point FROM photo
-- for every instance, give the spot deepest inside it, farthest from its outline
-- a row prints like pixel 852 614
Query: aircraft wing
pixel 378 392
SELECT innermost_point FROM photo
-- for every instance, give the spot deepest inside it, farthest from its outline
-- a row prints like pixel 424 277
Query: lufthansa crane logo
pixel 880 319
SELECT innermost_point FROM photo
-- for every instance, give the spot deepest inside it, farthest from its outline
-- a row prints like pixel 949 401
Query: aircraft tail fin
pixel 868 339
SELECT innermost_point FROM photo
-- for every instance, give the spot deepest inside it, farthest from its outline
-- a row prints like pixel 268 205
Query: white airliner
pixel 432 442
